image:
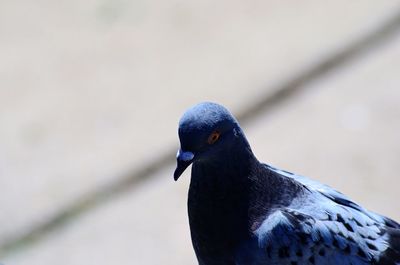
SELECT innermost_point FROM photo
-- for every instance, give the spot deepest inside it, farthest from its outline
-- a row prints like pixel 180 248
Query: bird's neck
pixel 218 200
pixel 224 176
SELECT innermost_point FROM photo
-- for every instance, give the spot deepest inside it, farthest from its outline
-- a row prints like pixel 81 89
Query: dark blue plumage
pixel 244 212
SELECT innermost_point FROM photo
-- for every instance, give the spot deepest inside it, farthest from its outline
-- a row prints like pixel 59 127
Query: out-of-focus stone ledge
pixel 84 99
pixel 342 130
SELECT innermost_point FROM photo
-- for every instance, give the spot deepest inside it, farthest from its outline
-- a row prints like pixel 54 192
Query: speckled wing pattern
pixel 326 228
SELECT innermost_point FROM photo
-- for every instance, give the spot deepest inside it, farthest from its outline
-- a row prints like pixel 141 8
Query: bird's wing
pixel 326 227
pixel 289 236
pixel 335 196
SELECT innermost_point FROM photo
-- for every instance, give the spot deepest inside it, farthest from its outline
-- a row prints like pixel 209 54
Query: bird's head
pixel 205 130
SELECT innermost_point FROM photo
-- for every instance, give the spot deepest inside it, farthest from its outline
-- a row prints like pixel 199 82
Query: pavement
pixel 91 94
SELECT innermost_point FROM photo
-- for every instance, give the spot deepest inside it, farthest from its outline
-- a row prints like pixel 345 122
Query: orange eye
pixel 214 136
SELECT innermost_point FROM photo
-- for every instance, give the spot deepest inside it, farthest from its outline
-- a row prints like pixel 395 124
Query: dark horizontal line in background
pixel 267 103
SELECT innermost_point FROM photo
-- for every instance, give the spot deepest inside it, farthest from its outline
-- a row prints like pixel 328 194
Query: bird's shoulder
pixel 322 225
pixel 336 199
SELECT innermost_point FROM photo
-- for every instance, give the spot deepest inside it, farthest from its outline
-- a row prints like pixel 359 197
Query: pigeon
pixel 244 212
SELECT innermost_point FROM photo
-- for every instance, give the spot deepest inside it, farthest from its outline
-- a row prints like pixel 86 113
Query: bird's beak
pixel 183 160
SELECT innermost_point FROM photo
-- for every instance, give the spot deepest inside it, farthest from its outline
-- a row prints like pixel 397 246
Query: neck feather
pixel 219 200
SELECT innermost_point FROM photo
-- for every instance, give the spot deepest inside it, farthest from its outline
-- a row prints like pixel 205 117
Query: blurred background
pixel 91 93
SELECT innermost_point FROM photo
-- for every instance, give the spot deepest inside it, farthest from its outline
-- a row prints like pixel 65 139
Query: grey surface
pixel 86 89
pixel 350 110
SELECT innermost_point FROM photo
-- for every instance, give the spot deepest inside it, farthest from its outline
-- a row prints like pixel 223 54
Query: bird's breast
pixel 217 220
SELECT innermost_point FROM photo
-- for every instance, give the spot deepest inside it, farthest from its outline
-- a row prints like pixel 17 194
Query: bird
pixel 245 212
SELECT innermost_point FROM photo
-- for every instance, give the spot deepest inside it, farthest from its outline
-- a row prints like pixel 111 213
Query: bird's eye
pixel 214 136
